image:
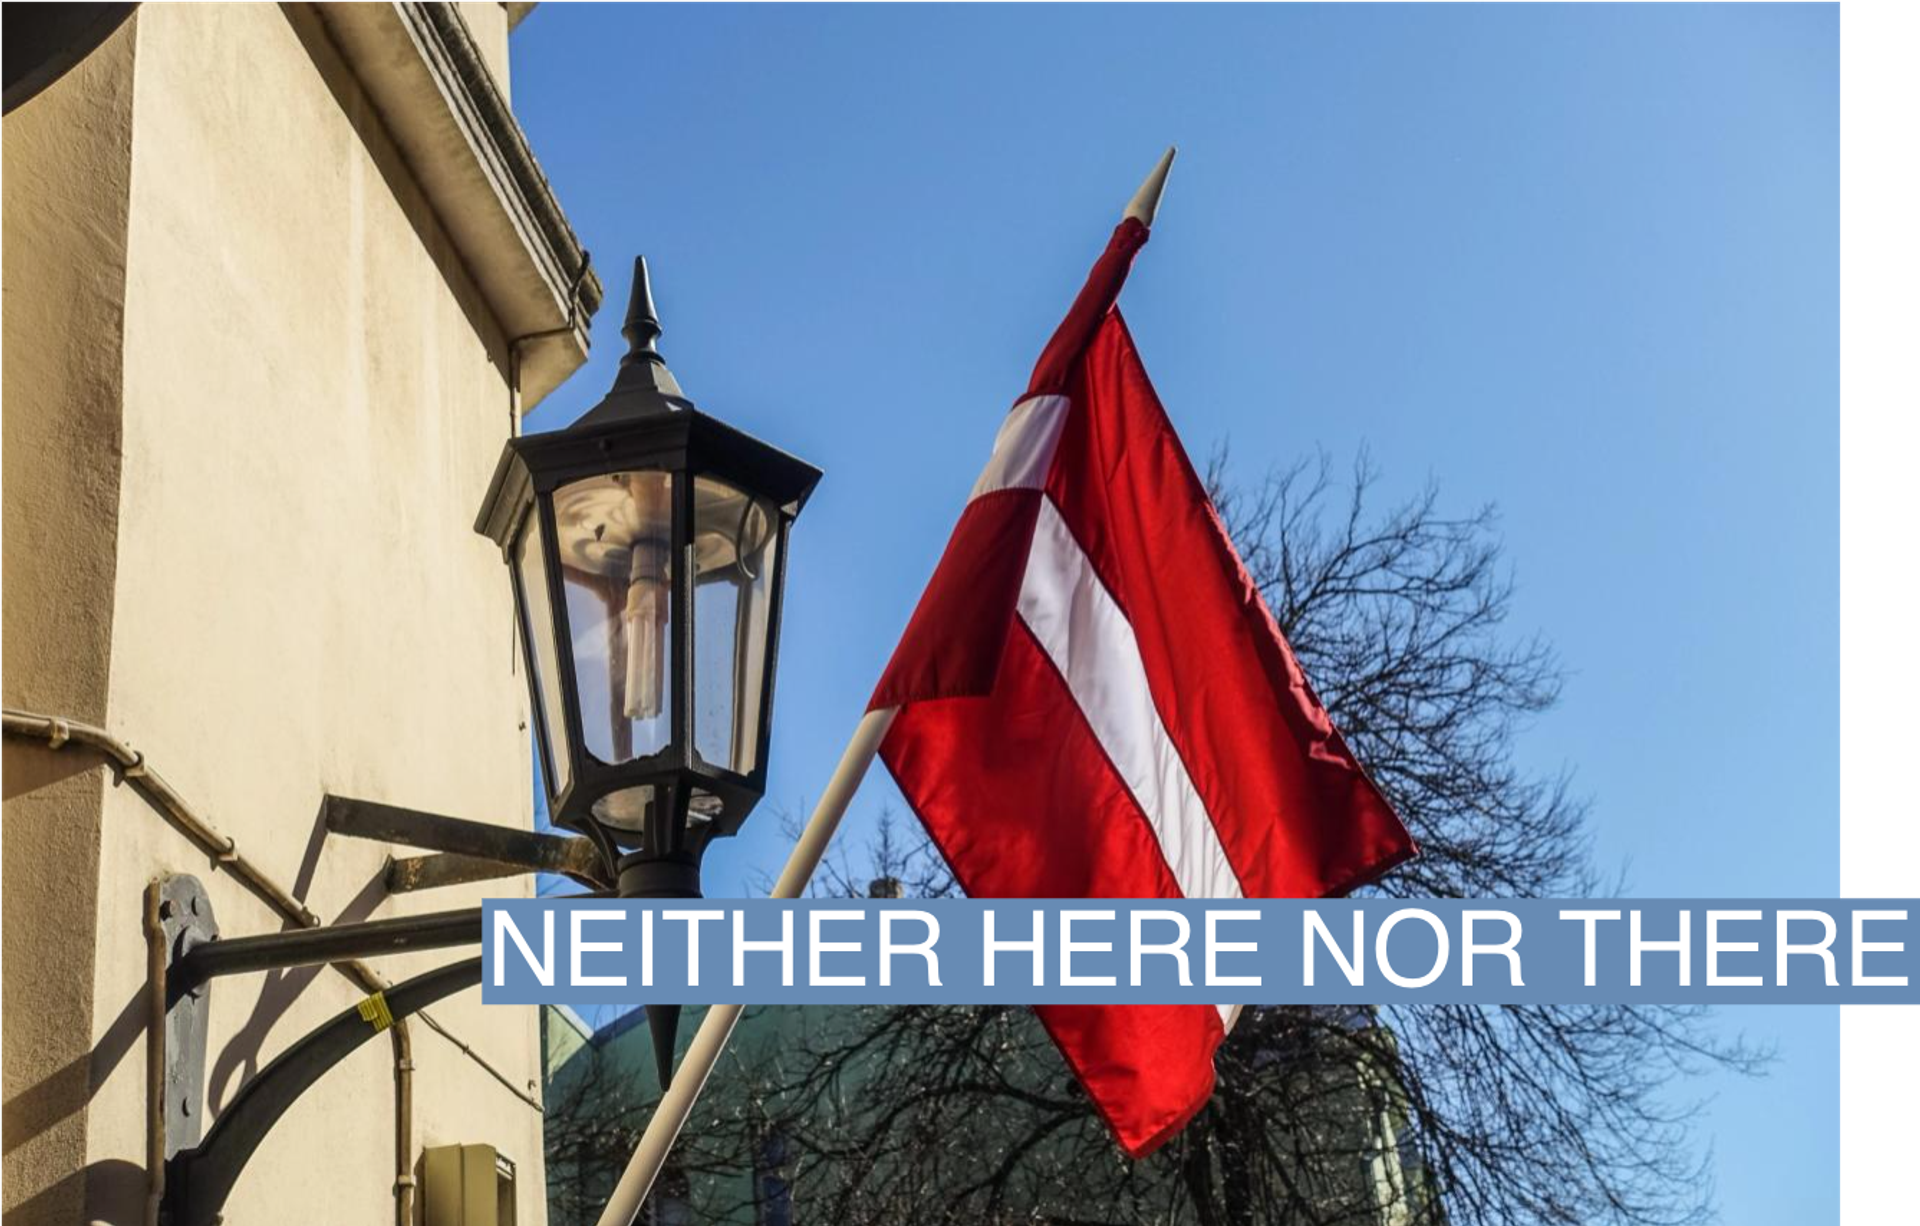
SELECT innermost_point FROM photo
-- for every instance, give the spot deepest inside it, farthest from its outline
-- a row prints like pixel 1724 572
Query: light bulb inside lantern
pixel 616 544
pixel 645 622
pixel 644 618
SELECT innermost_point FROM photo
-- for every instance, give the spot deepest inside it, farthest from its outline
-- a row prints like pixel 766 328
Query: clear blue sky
pixel 1578 261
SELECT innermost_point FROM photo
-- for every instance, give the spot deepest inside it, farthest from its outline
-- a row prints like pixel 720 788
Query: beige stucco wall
pixel 66 186
pixel 284 596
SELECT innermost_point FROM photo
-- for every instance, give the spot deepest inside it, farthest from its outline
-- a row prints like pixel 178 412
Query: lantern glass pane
pixel 614 537
pixel 735 542
pixel 537 639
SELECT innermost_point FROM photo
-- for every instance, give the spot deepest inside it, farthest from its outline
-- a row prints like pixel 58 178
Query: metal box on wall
pixel 466 1185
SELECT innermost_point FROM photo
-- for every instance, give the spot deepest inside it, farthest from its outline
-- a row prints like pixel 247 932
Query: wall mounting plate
pixel 186 921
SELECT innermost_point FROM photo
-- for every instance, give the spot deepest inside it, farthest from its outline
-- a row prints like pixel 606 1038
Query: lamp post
pixel 647 544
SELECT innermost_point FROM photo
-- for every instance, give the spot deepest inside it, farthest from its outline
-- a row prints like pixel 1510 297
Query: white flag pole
pixel 676 1105
pixel 623 1207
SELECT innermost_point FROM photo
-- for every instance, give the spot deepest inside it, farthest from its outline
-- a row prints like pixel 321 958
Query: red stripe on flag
pixel 1297 815
pixel 1147 1068
pixel 952 646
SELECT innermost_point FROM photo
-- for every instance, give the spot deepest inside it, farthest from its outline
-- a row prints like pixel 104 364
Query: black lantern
pixel 648 544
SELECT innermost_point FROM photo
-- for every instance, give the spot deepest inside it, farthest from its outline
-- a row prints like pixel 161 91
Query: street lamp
pixel 648 547
pixel 647 543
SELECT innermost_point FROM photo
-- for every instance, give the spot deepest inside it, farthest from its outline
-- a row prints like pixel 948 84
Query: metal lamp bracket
pixel 186 922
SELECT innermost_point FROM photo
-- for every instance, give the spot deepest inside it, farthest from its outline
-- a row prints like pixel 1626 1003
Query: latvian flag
pixel 1096 703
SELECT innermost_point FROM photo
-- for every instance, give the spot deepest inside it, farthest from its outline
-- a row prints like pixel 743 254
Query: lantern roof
pixel 644 421
pixel 644 386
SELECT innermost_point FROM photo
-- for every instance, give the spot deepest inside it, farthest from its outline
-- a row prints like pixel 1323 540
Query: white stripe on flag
pixel 1090 641
pixel 1087 636
pixel 1023 450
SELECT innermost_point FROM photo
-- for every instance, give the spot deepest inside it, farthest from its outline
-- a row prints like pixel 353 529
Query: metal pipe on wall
pixel 156 1055
pixel 402 1123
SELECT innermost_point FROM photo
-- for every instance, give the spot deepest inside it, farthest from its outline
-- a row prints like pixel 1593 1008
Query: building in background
pixel 582 1070
pixel 278 279
pixel 601 1087
pixel 791 1072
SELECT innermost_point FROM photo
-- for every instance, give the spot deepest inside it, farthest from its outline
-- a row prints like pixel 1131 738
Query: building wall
pixel 489 23
pixel 66 175
pixel 261 544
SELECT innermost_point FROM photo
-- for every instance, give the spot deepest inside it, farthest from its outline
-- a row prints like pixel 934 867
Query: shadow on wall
pixel 29 770
pixel 110 1181
pixel 51 865
pixel 239 1060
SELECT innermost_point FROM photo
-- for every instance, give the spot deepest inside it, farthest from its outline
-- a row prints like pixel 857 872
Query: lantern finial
pixel 644 384
pixel 643 320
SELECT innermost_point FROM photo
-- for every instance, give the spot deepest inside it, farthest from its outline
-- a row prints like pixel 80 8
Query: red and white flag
pixel 1096 703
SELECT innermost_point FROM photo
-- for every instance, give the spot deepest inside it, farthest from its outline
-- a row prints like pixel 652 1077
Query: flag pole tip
pixel 1146 201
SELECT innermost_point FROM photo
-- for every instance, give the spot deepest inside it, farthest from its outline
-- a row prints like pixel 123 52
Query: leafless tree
pixel 1462 1114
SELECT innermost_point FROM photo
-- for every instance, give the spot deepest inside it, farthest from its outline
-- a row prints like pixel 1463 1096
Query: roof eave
pixel 421 69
